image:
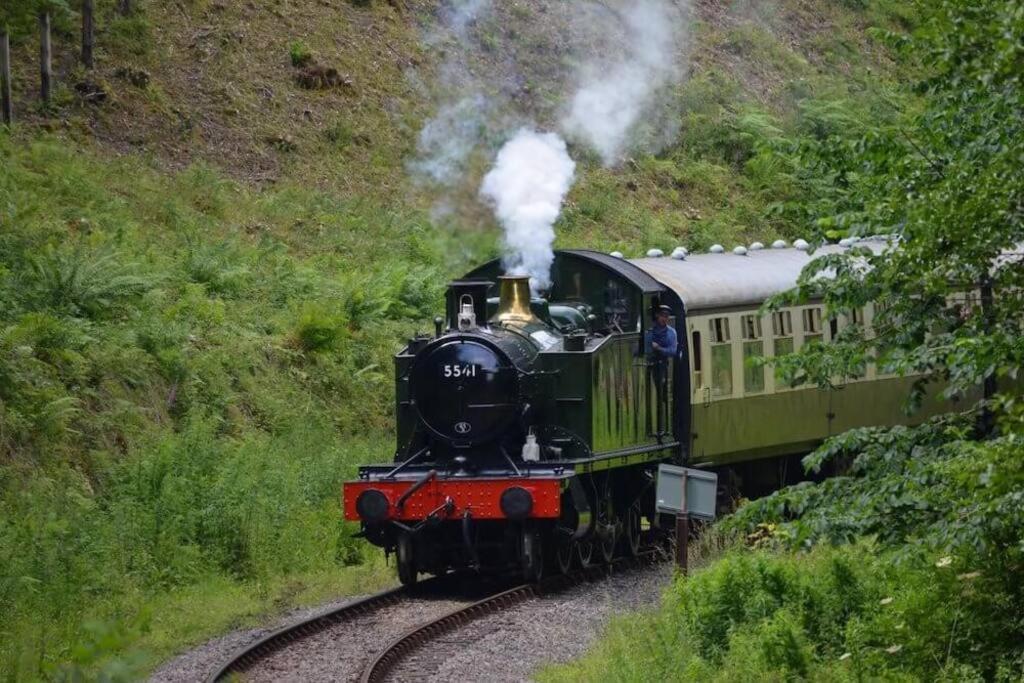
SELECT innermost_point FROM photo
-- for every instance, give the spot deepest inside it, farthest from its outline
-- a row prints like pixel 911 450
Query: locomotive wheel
pixel 631 531
pixel 607 545
pixel 531 555
pixel 407 573
pixel 563 556
pixel 585 553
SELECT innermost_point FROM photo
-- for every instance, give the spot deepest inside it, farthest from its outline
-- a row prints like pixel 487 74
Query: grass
pixel 188 371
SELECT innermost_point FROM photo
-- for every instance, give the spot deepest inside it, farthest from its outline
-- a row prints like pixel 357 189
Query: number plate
pixel 459 370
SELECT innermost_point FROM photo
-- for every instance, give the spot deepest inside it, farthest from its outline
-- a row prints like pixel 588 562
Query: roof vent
pixel 802 245
pixel 846 242
pixel 740 250
pixel 655 253
pixel 717 249
pixel 616 254
pixel 756 246
pixel 779 244
pixel 679 253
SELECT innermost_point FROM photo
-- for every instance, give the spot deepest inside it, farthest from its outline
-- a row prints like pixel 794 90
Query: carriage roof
pixel 724 280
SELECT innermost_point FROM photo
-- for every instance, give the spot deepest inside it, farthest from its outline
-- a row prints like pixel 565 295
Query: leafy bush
pixel 319 330
pixel 848 613
pixel 300 53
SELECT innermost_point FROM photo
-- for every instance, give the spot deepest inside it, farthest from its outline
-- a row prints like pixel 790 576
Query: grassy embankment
pixel 201 286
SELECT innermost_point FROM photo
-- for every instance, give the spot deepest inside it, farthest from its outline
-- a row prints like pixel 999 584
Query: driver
pixel 661 340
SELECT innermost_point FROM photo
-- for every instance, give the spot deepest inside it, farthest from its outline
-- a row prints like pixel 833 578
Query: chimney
pixel 514 302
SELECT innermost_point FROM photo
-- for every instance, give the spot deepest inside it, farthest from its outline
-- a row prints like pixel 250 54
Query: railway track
pixel 251 655
pixel 413 639
pixel 399 648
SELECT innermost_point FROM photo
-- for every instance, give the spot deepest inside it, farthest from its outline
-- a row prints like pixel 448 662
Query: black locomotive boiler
pixel 530 429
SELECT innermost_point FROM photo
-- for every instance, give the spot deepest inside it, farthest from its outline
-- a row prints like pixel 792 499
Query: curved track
pixel 250 655
pixel 400 648
pixel 408 642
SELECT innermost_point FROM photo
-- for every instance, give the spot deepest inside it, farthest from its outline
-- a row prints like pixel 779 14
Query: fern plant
pixel 84 284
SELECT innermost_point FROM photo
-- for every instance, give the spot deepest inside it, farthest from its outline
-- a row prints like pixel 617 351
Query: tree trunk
pixel 6 106
pixel 124 7
pixel 45 60
pixel 986 421
pixel 87 33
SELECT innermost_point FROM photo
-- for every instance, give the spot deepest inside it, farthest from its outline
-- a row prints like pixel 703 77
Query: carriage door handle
pixel 706 391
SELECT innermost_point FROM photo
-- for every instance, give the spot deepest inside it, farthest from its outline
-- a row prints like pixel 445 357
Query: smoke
pixel 459 14
pixel 597 72
pixel 527 185
pixel 447 140
pixel 616 91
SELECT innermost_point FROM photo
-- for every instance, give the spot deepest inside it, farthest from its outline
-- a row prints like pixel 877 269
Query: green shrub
pixel 847 613
pixel 300 53
pixel 319 330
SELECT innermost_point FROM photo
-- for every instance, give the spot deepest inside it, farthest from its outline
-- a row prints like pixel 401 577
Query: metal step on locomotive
pixel 529 429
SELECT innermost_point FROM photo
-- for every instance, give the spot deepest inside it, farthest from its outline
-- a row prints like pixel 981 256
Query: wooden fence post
pixel 45 59
pixel 6 105
pixel 87 33
pixel 683 532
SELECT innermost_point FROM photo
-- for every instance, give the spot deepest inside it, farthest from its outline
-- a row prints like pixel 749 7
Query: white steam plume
pixel 529 181
pixel 447 140
pixel 619 89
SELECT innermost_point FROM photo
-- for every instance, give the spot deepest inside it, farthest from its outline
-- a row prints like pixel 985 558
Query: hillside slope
pixel 203 277
pixel 214 82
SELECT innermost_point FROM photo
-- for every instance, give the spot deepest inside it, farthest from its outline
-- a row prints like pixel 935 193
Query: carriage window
pixel 782 328
pixel 721 357
pixel 812 325
pixel 751 325
pixel 753 347
pixel 857 316
pixel 697 383
pixel 719 330
pixel 721 369
pixel 782 324
pixel 833 327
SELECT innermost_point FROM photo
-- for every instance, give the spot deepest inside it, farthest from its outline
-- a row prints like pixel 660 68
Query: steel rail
pixel 418 636
pixel 244 658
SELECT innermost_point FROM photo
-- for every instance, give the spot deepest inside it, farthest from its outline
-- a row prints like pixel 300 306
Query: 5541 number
pixel 456 371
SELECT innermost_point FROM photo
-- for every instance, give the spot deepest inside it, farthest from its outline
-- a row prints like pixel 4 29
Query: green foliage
pixel 836 614
pixel 318 330
pixel 188 367
pixel 20 17
pixel 943 181
pixel 300 53
pixel 82 284
pixel 188 371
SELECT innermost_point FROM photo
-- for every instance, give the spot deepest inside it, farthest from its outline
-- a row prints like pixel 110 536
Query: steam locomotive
pixel 529 429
